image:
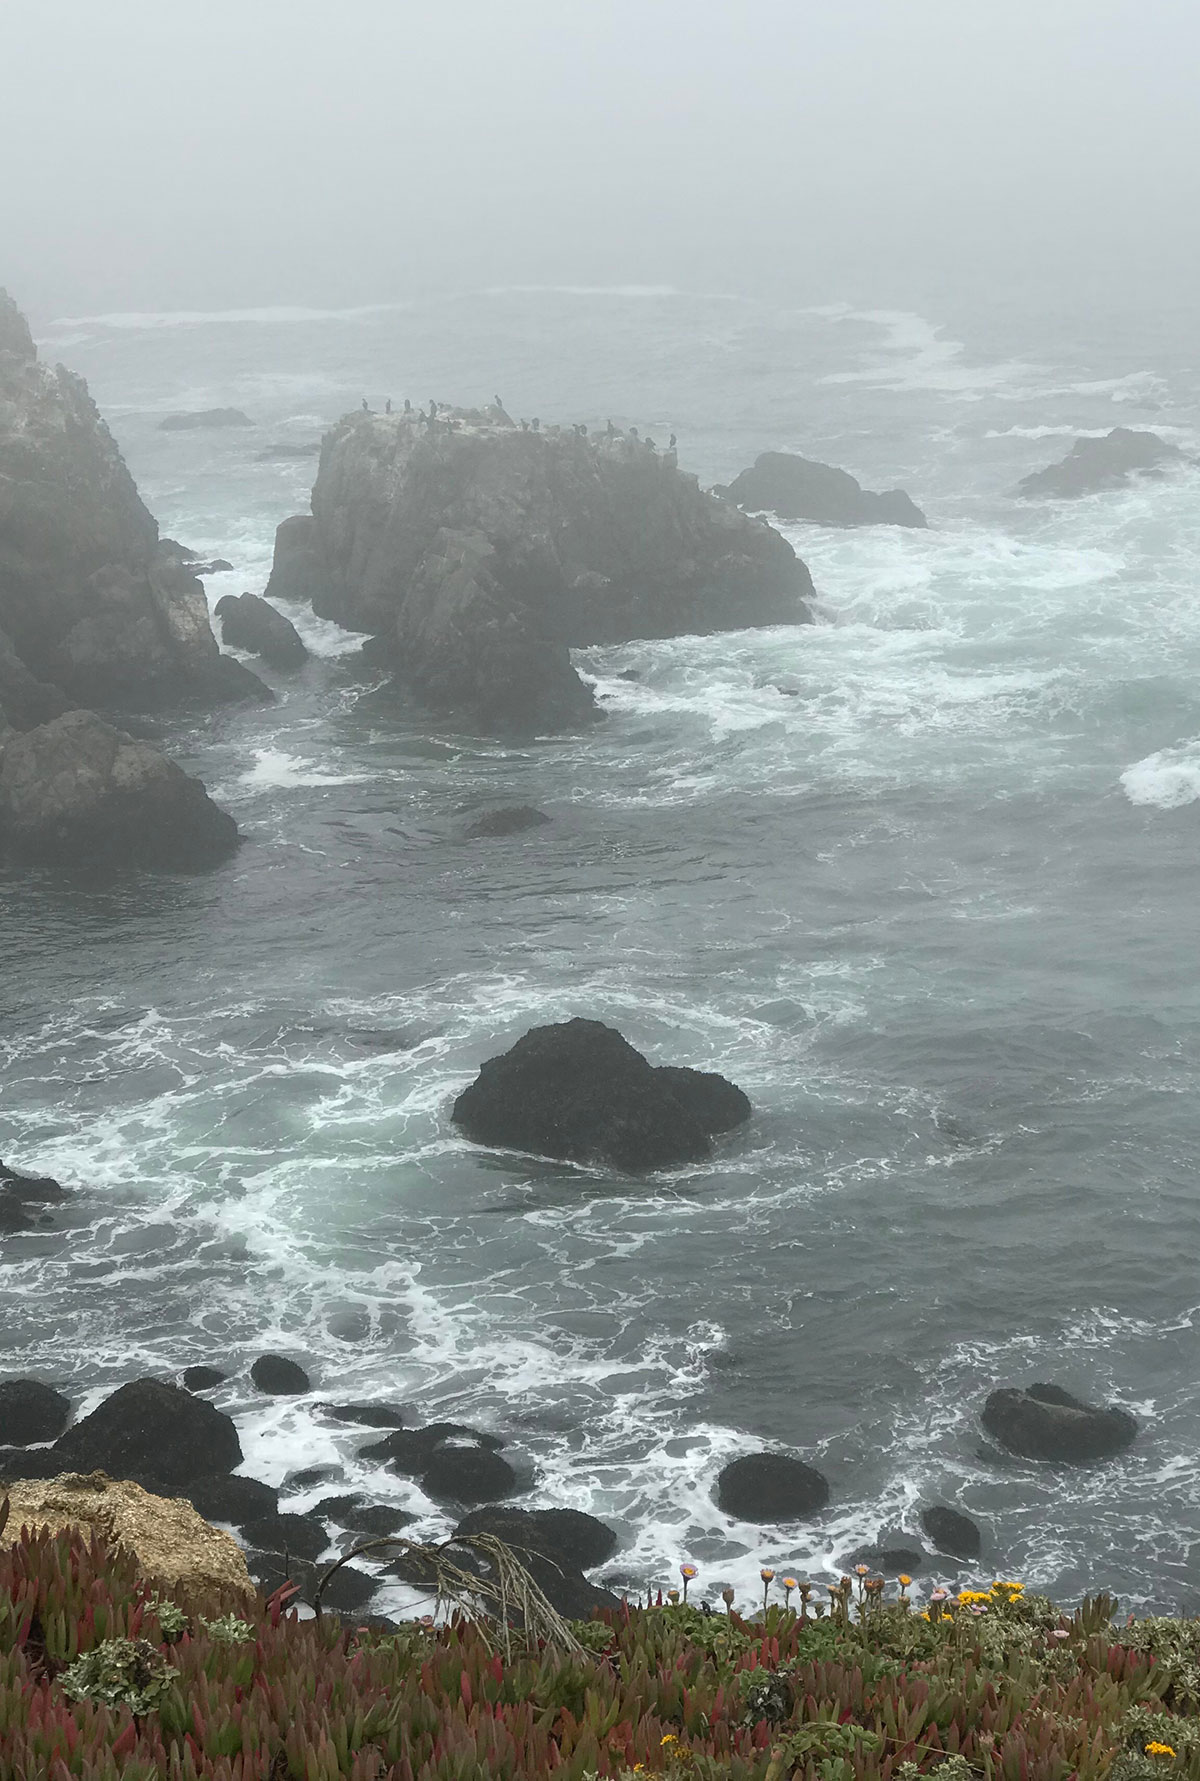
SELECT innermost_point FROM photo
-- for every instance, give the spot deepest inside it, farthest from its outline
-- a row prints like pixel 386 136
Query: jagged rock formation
pixel 478 553
pixel 171 1542
pixel 253 624
pixel 1046 1422
pixel 580 1092
pixel 795 488
pixel 77 792
pixel 90 604
pixel 1095 464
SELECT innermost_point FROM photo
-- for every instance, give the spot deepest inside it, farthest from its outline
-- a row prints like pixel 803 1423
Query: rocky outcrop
pixel 555 1546
pixel 253 624
pixel 279 1376
pixel 201 1378
pixel 799 489
pixel 579 1092
pixel 76 792
pixel 1092 465
pixel 771 1487
pixel 172 1544
pixel 1046 1422
pixel 478 553
pixel 452 1461
pixel 152 1431
pixel 199 418
pixel 952 1532
pixel 90 604
pixel 21 1196
pixel 31 1411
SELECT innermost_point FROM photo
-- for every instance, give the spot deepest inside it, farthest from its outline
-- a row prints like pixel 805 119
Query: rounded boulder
pixel 771 1487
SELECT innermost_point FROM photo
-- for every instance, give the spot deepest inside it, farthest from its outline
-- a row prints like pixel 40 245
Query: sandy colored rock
pixel 173 1544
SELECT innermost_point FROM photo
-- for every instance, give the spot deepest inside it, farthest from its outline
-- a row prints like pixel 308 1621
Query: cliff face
pixel 478 553
pixel 89 602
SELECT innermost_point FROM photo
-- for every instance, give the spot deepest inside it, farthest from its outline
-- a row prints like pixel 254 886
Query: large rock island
pixel 93 610
pixel 478 553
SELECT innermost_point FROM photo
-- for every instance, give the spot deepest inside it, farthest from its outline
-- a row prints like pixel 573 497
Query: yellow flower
pixel 1159 1750
pixel 1008 1589
pixel 903 1580
pixel 861 1570
pixel 967 1596
pixel 789 1583
pixel 671 1738
pixel 766 1575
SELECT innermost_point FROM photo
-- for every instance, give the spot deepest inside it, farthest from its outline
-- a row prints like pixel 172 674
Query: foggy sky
pixel 205 153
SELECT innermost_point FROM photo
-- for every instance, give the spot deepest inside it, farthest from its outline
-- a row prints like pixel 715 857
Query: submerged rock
pixel 31 1411
pixel 172 1544
pixel 579 1092
pixel 90 603
pixel 477 554
pixel 1108 463
pixel 376 1416
pixel 250 623
pixel 952 1532
pixel 76 792
pixel 281 1377
pixel 796 488
pixel 1046 1422
pixel 198 418
pixel 771 1487
pixel 511 819
pixel 149 1430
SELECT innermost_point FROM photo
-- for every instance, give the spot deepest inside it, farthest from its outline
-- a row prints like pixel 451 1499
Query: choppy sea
pixel 921 878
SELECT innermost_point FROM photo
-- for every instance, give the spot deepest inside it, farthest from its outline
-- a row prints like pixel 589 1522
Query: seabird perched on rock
pixel 387 407
pixel 671 447
pixel 407 406
pixel 366 410
pixel 499 404
pixel 535 423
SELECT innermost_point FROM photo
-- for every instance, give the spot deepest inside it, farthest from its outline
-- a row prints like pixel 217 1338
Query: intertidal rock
pixel 952 1532
pixel 172 1544
pixel 76 792
pixel 579 1092
pixel 227 1496
pixel 566 1536
pixel 303 1535
pixel 348 1591
pixel 771 1487
pixel 281 1377
pixel 150 1430
pixel 375 1416
pixel 796 488
pixel 31 1411
pixel 199 418
pixel 1108 463
pixel 886 1561
pixel 477 554
pixel 90 603
pixel 250 623
pixel 201 1378
pixel 20 1195
pixel 1046 1422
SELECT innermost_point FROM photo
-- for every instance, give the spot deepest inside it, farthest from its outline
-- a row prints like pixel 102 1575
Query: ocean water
pixel 922 878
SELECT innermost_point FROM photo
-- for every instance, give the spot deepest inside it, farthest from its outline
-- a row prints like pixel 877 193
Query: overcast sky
pixel 203 153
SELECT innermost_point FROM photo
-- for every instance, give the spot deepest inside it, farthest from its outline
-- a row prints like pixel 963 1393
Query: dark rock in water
pixel 309 1476
pixel 952 1532
pixel 150 1430
pixel 91 604
pixel 771 1487
pixel 375 1416
pixel 567 1536
pixel 715 1102
pixel 303 1535
pixel 511 820
pixel 886 1561
pixel 76 792
pixel 376 1520
pixel 479 555
pixel 468 1475
pixel 231 1498
pixel 337 1508
pixel 349 1589
pixel 253 624
pixel 217 566
pixel 580 1092
pixel 1095 464
pixel 281 1377
pixel 20 1195
pixel 282 453
pixel 299 571
pixel 31 1411
pixel 1046 1422
pixel 28 1462
pixel 411 1451
pixel 197 418
pixel 201 1378
pixel 796 488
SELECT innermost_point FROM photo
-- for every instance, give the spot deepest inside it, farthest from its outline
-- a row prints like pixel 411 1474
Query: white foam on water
pixel 1166 780
pixel 274 769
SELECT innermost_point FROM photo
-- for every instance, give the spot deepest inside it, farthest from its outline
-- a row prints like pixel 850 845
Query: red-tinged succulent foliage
pixel 103 1680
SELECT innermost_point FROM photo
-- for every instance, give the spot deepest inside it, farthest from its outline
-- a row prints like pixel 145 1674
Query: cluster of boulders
pixel 477 553
pixel 96 612
pixel 1111 462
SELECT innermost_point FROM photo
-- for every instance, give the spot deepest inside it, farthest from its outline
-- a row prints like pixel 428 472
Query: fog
pixel 210 153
